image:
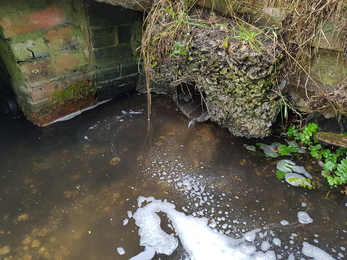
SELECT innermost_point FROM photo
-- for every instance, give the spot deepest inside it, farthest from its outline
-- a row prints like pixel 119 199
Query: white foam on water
pixel 203 201
pixel 265 246
pixel 200 241
pixel 149 226
pixel 315 252
pixel 276 241
pixel 145 255
pixel 120 250
pixel 284 223
pixel 304 218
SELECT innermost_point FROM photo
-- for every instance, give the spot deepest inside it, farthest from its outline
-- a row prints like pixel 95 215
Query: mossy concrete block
pixel 34 97
pixel 107 75
pixel 328 68
pixel 124 34
pixel 117 88
pixel 109 56
pixel 103 37
pixel 102 15
pixel 68 61
pixel 329 38
pixel 43 69
pixel 129 68
pixel 36 70
pixel 31 49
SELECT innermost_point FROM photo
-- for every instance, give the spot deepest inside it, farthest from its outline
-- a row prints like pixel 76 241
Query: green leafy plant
pixel 286 149
pixel 306 136
pixel 280 174
pixel 334 162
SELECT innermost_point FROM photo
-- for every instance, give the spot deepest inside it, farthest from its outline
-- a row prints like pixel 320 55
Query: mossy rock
pixel 332 138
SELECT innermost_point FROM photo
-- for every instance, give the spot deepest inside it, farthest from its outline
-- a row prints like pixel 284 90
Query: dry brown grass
pixel 302 22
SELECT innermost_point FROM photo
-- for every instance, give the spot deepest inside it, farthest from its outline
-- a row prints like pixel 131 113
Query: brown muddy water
pixel 70 191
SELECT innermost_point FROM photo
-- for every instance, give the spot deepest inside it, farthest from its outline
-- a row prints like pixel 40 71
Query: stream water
pixel 96 187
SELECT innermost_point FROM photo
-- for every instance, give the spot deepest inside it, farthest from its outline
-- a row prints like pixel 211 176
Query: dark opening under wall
pixel 191 103
pixel 8 102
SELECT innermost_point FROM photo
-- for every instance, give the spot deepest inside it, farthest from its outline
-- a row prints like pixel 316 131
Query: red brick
pixel 42 93
pixel 66 61
pixel 49 17
pixel 37 70
pixel 15 24
pixel 59 38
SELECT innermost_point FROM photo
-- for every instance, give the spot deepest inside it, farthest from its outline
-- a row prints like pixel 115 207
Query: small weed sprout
pixel 180 49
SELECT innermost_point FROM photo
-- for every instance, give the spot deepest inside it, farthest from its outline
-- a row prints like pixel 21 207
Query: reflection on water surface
pixel 69 190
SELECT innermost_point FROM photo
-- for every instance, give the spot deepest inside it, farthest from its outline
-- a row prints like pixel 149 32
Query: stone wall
pixel 48 46
pixel 116 38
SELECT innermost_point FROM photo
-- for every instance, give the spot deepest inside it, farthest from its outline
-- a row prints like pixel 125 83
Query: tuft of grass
pixel 248 35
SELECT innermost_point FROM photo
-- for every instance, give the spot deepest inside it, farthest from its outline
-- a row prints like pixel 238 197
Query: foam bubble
pixel 304 218
pixel 315 252
pixel 284 223
pixel 265 246
pixel 120 250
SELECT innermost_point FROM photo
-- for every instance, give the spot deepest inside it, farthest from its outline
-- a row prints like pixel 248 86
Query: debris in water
pixel 5 250
pixel 115 161
pixel 285 165
pixel 296 180
pixel 292 173
pixel 251 148
pixel 269 150
pixel 284 223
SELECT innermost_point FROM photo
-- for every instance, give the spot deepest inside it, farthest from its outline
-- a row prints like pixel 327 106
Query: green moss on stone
pixel 72 93
pixel 332 138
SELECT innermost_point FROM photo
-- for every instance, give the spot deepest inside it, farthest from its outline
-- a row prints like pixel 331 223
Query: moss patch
pixel 74 98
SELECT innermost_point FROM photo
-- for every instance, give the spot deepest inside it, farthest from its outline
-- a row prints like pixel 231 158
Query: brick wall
pixel 48 46
pixel 115 34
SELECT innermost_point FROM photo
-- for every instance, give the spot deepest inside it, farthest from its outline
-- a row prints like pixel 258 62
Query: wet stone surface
pixel 236 79
pixel 70 190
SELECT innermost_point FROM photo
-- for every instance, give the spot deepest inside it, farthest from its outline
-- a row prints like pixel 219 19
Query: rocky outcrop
pixel 235 79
